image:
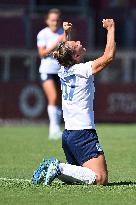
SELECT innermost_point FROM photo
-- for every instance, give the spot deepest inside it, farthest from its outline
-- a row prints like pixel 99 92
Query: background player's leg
pixel 99 166
pixel 54 111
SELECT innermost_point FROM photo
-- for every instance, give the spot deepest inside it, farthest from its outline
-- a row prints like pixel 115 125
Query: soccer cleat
pixel 52 172
pixel 40 173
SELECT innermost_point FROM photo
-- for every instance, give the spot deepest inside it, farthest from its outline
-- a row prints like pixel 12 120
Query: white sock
pixel 54 114
pixel 73 173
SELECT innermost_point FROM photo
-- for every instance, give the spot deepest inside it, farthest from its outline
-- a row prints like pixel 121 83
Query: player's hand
pixel 108 23
pixel 67 26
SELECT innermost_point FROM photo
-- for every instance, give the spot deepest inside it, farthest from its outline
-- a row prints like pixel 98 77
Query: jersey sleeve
pixel 41 40
pixel 84 69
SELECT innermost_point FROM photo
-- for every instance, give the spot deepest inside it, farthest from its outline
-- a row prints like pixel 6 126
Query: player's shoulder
pixel 71 69
pixel 83 69
pixel 82 65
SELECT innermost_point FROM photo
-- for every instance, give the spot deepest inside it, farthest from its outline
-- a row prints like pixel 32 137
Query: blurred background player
pixel 47 40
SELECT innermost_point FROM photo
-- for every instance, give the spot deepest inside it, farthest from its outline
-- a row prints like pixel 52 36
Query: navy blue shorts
pixel 48 76
pixel 80 145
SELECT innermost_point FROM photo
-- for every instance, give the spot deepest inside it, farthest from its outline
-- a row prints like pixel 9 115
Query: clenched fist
pixel 67 26
pixel 108 23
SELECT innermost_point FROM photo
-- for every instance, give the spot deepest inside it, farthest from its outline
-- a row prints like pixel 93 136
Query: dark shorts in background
pixel 47 76
pixel 80 145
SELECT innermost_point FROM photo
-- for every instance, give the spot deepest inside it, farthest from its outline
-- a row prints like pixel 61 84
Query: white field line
pixel 15 180
pixel 29 181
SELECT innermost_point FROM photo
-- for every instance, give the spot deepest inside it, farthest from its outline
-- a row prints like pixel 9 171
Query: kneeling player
pixel 85 157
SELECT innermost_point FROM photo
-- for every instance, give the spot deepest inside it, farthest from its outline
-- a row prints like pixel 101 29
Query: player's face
pixel 53 21
pixel 78 48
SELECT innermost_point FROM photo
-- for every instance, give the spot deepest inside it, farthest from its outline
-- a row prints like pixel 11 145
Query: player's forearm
pixel 100 63
pixel 44 52
pixel 65 36
pixel 50 49
pixel 111 45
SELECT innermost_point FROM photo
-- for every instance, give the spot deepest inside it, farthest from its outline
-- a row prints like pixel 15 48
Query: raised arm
pixel 67 28
pixel 43 51
pixel 100 63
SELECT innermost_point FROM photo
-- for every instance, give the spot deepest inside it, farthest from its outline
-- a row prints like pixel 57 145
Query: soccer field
pixel 22 148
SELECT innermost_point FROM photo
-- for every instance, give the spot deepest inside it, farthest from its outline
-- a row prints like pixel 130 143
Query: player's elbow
pixel 102 62
pixel 41 54
pixel 109 57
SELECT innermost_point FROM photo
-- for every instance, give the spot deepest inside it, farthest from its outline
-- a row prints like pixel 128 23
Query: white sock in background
pixel 54 113
pixel 73 173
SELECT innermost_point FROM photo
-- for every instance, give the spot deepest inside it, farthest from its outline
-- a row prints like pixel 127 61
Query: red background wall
pixel 114 103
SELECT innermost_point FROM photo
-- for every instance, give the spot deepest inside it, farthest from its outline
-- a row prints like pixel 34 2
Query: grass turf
pixel 23 147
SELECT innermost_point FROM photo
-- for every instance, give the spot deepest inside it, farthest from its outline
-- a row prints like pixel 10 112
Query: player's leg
pixel 99 166
pixel 94 171
pixel 89 154
pixel 76 174
pixel 72 172
pixel 64 176
pixel 54 111
pixel 68 154
pixel 79 146
pixel 84 146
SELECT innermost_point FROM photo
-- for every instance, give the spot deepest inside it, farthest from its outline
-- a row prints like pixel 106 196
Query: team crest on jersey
pixel 98 146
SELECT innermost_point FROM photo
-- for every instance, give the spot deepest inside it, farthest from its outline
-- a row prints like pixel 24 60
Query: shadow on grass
pixel 121 183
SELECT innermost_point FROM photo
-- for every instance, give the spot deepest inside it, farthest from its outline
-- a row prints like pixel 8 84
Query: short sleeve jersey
pixel 46 38
pixel 77 84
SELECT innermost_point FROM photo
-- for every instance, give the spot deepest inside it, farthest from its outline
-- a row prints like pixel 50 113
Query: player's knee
pixel 52 99
pixel 101 179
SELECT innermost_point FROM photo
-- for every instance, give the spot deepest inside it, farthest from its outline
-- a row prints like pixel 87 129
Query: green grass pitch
pixel 23 147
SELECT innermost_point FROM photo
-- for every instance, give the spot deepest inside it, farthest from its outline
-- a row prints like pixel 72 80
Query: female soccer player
pixel 85 157
pixel 47 40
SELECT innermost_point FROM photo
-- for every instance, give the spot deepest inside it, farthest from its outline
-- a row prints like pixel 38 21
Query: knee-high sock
pixel 54 114
pixel 73 174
